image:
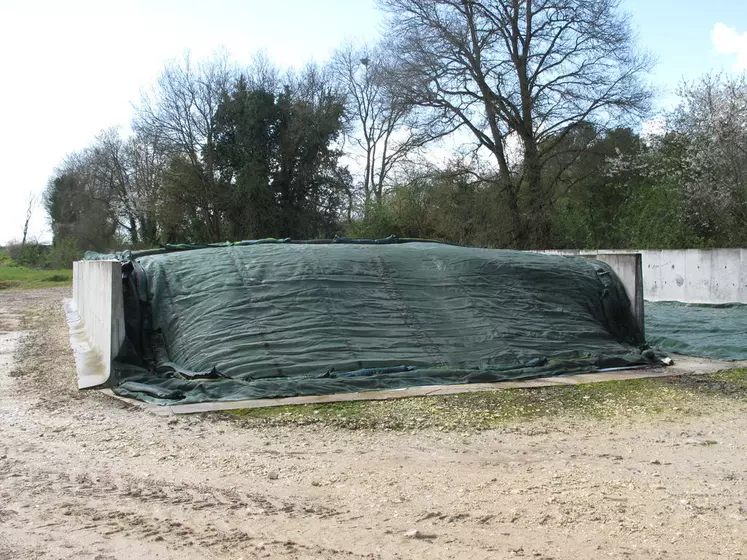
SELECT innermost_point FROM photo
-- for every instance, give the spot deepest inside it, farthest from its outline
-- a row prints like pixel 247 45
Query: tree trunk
pixel 536 198
pixel 133 231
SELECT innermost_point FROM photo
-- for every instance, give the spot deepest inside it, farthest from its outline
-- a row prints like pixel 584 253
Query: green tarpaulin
pixel 706 331
pixel 282 319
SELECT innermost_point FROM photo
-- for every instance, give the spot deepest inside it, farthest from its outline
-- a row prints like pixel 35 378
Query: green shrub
pixel 62 255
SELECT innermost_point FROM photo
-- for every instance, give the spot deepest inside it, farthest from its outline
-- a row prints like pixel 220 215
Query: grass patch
pixel 667 398
pixel 13 276
pixel 8 284
pixel 57 278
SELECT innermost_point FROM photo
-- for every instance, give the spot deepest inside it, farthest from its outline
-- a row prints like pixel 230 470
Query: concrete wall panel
pixel 742 290
pixel 653 279
pixel 725 270
pixel 689 275
pixel 96 319
pixel 698 276
pixel 664 274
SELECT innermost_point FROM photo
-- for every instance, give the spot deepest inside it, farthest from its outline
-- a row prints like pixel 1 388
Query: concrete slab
pixel 683 365
pixel 708 276
pixel 699 276
pixel 725 270
pixel 664 275
pixel 652 276
pixel 90 365
pixel 95 317
pixel 742 290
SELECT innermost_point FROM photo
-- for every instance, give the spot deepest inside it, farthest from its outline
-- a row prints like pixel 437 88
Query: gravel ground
pixel 87 476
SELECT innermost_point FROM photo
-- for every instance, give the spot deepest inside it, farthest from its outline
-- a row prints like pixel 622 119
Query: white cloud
pixel 726 40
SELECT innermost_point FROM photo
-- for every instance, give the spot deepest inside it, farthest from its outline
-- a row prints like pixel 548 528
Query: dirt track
pixel 86 476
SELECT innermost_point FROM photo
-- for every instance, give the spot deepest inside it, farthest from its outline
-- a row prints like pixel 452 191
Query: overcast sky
pixel 72 68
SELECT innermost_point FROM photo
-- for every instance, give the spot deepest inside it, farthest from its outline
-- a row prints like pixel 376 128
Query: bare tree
pixel 180 112
pixel 529 70
pixel 134 170
pixel 111 187
pixel 31 204
pixel 263 73
pixel 379 122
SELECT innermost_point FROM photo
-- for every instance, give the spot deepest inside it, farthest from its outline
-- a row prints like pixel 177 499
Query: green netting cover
pixel 707 331
pixel 283 319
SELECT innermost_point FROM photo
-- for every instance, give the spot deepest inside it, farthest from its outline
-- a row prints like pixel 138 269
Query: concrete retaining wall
pixel 690 275
pixel 96 319
pixel 695 276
